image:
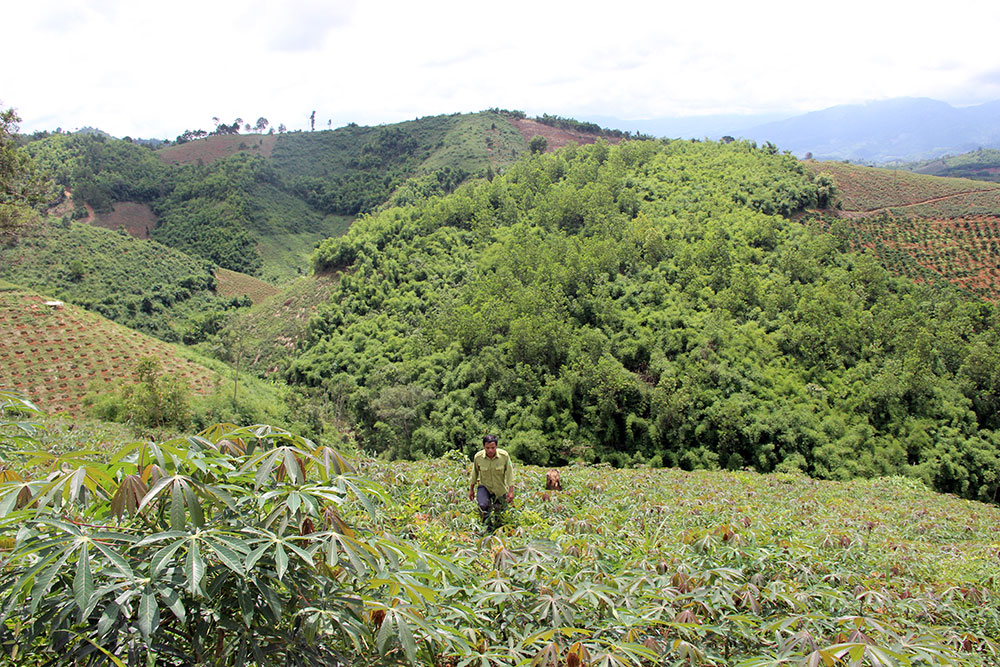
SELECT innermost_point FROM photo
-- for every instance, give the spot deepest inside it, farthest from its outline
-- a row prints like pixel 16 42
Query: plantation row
pixel 964 252
pixel 870 189
pixel 55 353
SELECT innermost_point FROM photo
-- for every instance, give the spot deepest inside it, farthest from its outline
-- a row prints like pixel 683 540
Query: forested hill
pixel 258 203
pixel 651 303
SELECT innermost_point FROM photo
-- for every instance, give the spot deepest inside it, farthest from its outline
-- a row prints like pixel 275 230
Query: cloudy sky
pixel 155 69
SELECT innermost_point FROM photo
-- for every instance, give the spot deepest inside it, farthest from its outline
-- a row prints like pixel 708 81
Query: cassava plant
pixel 229 547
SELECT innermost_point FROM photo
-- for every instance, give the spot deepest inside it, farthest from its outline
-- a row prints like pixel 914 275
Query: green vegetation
pixel 355 169
pixel 960 251
pixel 870 189
pixel 270 332
pixel 982 165
pixel 144 285
pixel 256 546
pixel 22 185
pixel 646 303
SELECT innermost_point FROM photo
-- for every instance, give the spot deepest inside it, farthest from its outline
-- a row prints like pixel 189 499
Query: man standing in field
pixel 491 482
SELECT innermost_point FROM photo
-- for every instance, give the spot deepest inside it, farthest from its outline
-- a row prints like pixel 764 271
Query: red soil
pixel 556 137
pixel 137 219
pixel 210 149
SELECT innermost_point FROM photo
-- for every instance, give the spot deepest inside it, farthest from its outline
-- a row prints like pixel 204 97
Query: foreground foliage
pixel 255 546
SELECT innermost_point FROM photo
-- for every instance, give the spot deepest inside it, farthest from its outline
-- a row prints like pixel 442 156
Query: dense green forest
pixel 650 303
pixel 227 212
pixel 257 215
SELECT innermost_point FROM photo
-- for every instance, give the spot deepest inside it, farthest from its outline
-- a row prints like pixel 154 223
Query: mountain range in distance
pixel 881 132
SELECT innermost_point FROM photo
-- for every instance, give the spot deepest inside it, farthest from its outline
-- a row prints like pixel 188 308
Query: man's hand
pixel 510 496
pixel 472 494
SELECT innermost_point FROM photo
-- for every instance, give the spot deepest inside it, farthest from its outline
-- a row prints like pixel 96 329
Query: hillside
pixel 211 149
pixel 258 204
pixel 981 165
pixel 652 303
pixel 54 352
pixel 138 283
pixel 272 330
pixel 927 228
pixel 231 284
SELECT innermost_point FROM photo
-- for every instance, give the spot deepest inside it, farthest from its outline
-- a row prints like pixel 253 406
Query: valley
pixel 242 377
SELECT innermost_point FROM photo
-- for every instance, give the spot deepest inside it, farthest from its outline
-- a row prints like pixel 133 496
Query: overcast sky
pixel 155 69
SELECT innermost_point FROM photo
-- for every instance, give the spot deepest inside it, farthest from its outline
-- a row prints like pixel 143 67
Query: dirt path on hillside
pixel 72 204
pixel 932 200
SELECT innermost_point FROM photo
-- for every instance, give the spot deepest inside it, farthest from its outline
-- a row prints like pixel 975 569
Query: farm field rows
pixel 965 252
pixel 921 227
pixel 868 189
pixel 54 353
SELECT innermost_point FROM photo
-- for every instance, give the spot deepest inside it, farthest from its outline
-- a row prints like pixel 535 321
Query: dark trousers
pixel 489 503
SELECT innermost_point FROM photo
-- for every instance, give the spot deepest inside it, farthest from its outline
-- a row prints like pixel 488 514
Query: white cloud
pixel 153 69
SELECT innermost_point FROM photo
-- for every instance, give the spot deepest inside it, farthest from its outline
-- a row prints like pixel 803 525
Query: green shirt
pixel 496 474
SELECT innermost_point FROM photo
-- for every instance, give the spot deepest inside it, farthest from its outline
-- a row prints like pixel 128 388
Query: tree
pixel 281 128
pixel 262 124
pixel 538 144
pixel 22 186
pixel 312 120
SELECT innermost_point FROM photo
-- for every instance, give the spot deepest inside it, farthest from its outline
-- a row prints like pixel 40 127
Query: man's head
pixel 490 445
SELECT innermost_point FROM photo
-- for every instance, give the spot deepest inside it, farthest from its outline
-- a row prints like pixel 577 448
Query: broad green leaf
pixel 194 567
pixel 83 583
pixel 148 617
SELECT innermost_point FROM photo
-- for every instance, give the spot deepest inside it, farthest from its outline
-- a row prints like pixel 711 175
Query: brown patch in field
pixel 963 251
pixel 556 137
pixel 232 283
pixel 137 219
pixel 210 149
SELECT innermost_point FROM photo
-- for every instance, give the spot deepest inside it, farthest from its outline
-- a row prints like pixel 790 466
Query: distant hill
pixel 258 204
pixel 982 165
pixel 141 284
pixel 895 130
pixel 54 352
pixel 926 228
pixel 891 130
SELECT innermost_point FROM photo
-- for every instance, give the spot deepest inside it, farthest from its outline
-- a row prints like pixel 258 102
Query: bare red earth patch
pixel 556 137
pixel 135 218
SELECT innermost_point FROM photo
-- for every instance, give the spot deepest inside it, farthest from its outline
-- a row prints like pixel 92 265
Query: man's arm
pixel 508 477
pixel 473 477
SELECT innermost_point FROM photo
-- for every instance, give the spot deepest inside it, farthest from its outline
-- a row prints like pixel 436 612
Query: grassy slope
pixel 210 149
pixel 232 283
pixel 868 189
pixel 983 165
pixel 270 331
pixel 54 353
pixel 286 254
pixel 924 227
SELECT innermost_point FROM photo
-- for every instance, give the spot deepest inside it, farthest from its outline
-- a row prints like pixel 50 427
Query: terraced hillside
pixel 55 352
pixel 924 227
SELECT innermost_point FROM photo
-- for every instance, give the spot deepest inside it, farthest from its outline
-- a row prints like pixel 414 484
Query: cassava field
pixel 256 547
